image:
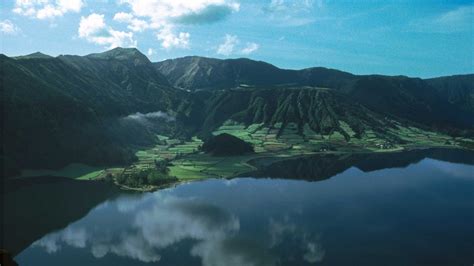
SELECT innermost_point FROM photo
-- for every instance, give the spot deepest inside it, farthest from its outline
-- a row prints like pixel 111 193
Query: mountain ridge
pixel 425 101
pixel 170 62
pixel 122 54
pixel 69 108
pixel 33 55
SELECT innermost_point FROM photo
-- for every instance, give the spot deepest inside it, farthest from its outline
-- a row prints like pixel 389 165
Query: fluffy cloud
pixel 169 39
pixel 250 48
pixel 44 9
pixel 91 25
pixel 230 46
pixel 182 11
pixel 134 24
pixel 94 29
pixel 165 15
pixel 7 27
pixel 227 47
pixel 162 16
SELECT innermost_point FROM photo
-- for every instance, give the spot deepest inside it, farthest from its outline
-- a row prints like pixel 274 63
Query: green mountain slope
pixel 33 55
pixel 97 108
pixel 65 109
pixel 410 99
pixel 458 89
pixel 443 103
pixel 201 73
pixel 194 73
pixel 322 110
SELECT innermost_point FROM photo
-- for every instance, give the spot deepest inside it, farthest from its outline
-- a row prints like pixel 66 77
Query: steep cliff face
pixel 442 103
pixel 323 110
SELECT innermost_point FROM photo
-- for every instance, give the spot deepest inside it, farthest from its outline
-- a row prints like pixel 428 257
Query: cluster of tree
pixel 145 177
pixel 226 145
pixel 162 166
pixel 151 176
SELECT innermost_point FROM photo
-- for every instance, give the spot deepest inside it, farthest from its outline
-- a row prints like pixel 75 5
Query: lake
pixel 414 208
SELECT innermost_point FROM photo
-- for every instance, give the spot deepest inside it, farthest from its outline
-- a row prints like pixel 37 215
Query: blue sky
pixel 414 38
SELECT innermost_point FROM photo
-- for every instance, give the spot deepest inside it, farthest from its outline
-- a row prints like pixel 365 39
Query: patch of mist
pixel 146 117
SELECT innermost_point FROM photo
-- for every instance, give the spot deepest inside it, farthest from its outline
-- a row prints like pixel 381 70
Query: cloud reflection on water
pixel 285 231
pixel 146 226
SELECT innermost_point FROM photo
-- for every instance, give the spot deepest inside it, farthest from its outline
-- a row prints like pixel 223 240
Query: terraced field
pixel 188 163
pixel 271 142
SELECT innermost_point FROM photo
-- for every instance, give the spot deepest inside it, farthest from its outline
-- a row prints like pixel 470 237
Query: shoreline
pixel 248 161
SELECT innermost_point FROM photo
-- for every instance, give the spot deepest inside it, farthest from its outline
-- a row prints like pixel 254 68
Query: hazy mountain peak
pixel 120 53
pixel 33 55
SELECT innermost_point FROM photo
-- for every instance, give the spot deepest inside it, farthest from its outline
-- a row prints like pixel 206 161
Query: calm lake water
pixel 403 210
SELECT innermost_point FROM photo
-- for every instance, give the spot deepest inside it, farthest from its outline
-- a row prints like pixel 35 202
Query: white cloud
pixel 227 47
pixel 44 9
pixel 91 25
pixel 94 29
pixel 250 48
pixel 134 24
pixel 165 15
pixel 171 40
pixel 166 11
pixel 7 27
pixel 117 39
pixel 231 46
pixel 456 20
pixel 123 17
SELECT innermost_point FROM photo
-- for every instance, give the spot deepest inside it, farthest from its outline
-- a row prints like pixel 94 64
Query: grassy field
pixel 186 162
pixel 269 142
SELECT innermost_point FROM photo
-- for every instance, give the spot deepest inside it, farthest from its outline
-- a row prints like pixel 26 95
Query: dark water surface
pixel 419 213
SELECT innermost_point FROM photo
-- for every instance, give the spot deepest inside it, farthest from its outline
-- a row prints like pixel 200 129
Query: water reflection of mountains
pixel 33 207
pixel 324 166
pixel 55 202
